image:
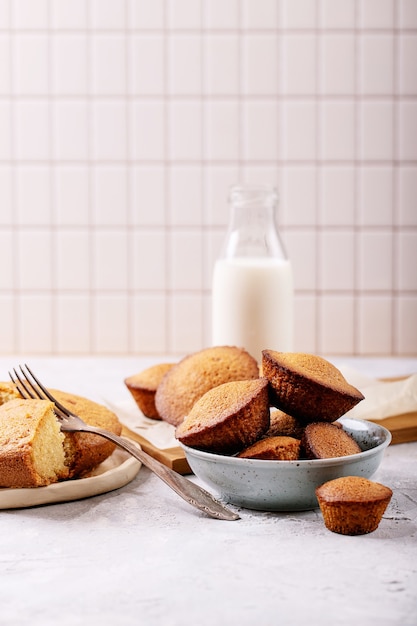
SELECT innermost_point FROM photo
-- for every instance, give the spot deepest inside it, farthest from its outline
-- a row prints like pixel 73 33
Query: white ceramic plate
pixel 115 472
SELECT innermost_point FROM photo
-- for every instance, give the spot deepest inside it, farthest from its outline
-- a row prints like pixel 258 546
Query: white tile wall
pixel 124 122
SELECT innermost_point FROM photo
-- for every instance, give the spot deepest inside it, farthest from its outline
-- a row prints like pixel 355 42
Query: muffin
pixel 227 418
pixel 307 386
pixel 273 448
pixel 196 374
pixel 282 424
pixel 322 440
pixel 352 505
pixel 143 388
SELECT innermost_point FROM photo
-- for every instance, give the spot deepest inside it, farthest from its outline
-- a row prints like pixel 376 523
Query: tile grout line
pixel 92 304
pixel 168 304
pixel 357 348
pixel 17 318
pixel 198 97
pixel 129 233
pixel 280 119
pixel 215 31
pixel 318 305
pixel 395 317
pixel 221 163
pixel 240 97
pixel 52 189
pixel 206 315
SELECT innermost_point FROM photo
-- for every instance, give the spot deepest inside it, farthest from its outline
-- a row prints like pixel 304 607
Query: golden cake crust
pixel 279 448
pixel 308 386
pixel 85 450
pixel 196 374
pixel 228 417
pixel 143 386
pixel 353 505
pixel 31 444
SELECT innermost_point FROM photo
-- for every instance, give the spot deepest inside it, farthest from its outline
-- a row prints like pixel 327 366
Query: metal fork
pixel 29 386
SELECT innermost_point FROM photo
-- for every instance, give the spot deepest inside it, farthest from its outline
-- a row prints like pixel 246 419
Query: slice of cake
pixel 307 386
pixel 31 444
pixel 228 417
pixel 353 505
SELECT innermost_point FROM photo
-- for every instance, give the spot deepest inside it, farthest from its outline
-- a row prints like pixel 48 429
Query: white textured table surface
pixel 140 555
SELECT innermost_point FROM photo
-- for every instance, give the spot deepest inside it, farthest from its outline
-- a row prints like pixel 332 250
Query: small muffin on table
pixel 353 505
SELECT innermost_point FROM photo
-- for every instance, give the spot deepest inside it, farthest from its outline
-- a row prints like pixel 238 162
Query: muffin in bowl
pixel 227 418
pixel 268 485
pixel 307 386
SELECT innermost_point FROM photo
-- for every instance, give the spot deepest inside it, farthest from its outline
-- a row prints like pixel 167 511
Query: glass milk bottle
pixel 252 294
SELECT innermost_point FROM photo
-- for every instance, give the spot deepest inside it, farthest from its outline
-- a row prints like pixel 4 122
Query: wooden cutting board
pixel 403 429
pixel 171 457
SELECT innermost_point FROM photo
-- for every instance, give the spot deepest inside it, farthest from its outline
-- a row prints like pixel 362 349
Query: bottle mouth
pixel 244 195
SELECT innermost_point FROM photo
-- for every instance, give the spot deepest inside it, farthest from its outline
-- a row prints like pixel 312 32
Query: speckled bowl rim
pixel 235 461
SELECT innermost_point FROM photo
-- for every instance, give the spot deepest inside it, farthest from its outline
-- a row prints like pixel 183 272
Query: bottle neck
pixel 252 230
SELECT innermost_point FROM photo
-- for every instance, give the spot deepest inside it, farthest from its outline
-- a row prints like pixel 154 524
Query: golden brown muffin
pixel 322 440
pixel 273 448
pixel 282 424
pixel 228 417
pixel 307 386
pixel 85 451
pixel 143 388
pixel 353 505
pixel 196 374
pixel 31 444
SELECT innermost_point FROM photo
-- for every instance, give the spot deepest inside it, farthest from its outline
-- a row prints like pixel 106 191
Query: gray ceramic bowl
pixel 287 485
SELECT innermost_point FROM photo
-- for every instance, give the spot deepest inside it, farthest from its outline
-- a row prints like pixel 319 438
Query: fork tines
pixel 22 387
pixel 28 385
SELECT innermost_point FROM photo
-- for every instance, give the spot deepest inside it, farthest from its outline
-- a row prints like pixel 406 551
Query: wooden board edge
pixel 404 436
pixel 401 421
pixel 403 428
pixel 171 457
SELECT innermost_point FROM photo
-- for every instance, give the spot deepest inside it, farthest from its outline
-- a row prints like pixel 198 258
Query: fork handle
pixel 193 494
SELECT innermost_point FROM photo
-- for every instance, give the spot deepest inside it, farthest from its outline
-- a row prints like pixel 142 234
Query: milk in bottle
pixel 252 295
